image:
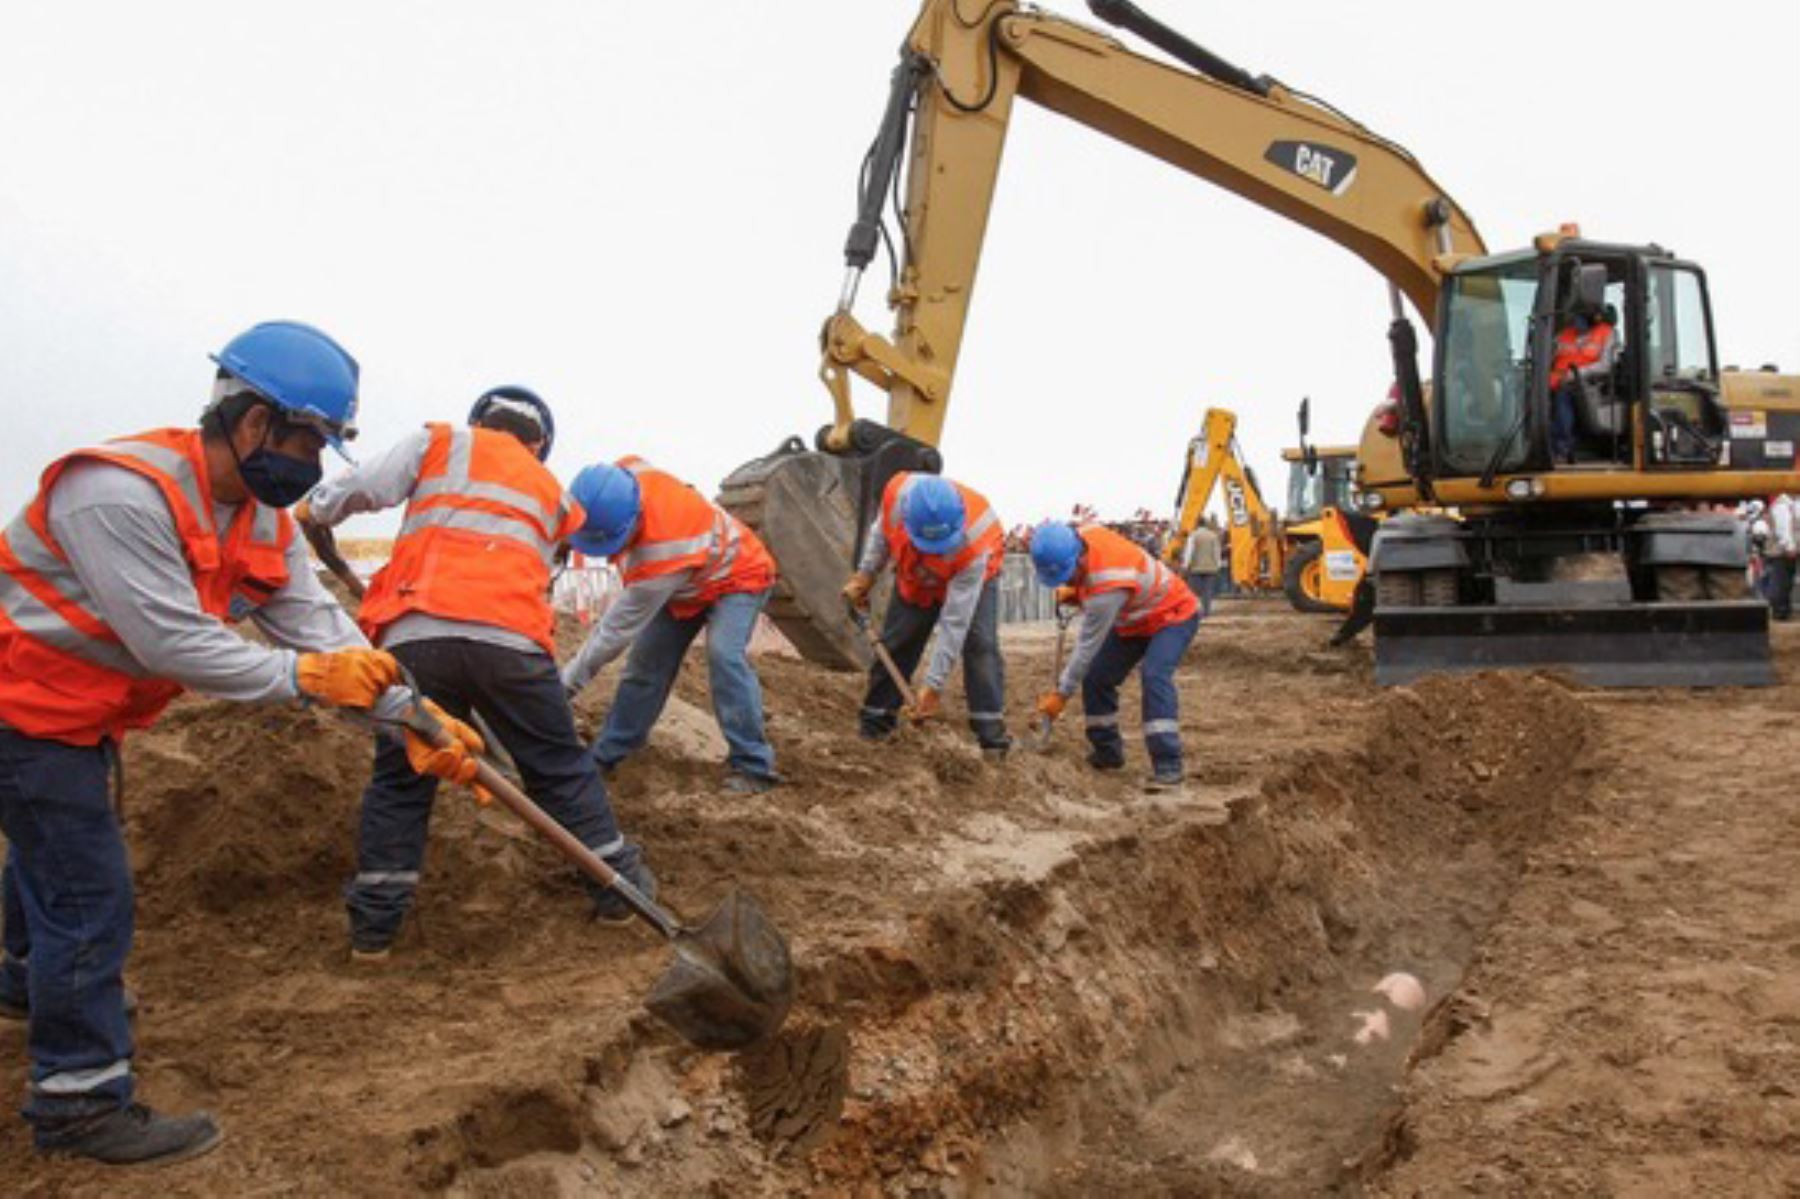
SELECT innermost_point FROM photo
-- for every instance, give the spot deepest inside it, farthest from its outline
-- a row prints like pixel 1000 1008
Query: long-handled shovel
pixel 1042 727
pixel 861 620
pixel 731 981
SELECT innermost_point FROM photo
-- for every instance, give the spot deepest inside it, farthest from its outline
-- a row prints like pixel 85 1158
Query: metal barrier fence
pixel 1022 597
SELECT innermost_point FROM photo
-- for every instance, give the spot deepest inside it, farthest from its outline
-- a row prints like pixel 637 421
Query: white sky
pixel 639 210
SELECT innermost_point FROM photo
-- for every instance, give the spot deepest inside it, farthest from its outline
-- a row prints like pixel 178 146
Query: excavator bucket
pixel 804 506
pixel 1708 644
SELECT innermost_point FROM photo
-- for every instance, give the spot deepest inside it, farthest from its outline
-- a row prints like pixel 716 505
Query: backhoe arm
pixel 1207 455
pixel 960 72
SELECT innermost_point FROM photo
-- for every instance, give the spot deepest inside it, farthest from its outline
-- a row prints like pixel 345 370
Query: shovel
pixel 1042 727
pixel 731 981
pixel 861 620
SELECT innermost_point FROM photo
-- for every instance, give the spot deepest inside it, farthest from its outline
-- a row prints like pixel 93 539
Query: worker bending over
pixel 947 548
pixel 687 564
pixel 1134 609
pixel 464 605
pixel 116 583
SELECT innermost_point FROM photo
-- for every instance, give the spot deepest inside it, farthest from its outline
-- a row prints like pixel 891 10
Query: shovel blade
pixel 732 981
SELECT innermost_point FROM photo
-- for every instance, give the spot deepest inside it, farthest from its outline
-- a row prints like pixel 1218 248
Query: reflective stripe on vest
pixel 716 551
pixel 456 482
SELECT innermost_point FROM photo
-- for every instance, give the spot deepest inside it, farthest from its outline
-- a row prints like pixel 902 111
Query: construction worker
pixel 464 604
pixel 115 585
pixel 947 548
pixel 1587 346
pixel 1779 558
pixel 687 565
pixel 1201 561
pixel 1135 610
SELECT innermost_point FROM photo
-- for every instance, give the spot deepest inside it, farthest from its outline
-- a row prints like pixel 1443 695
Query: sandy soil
pixel 1024 978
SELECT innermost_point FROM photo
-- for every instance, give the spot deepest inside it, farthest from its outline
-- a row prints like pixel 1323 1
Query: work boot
pixel 996 752
pixel 741 782
pixel 1100 761
pixel 131 1135
pixel 609 906
pixel 1165 778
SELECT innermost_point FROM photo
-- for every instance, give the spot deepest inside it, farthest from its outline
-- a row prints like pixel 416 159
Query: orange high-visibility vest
pixel 64 674
pixel 680 530
pixel 1158 597
pixel 924 579
pixel 1576 348
pixel 478 539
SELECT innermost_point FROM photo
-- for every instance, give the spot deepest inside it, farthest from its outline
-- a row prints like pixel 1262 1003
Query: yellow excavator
pixel 1659 437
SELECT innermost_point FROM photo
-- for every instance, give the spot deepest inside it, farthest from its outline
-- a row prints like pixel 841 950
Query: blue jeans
pixel 1203 585
pixel 521 697
pixel 1160 655
pixel 655 660
pixel 1562 421
pixel 69 919
pixel 906 630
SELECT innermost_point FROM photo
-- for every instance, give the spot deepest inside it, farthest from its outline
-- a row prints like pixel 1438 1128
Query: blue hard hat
pixel 609 494
pixel 1055 551
pixel 932 511
pixel 519 399
pixel 306 374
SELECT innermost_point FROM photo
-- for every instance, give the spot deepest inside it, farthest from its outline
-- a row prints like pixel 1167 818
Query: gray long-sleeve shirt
pixel 624 619
pixel 960 600
pixel 387 481
pixel 120 537
pixel 1098 616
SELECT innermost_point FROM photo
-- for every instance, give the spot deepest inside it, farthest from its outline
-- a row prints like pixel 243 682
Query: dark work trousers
pixel 521 697
pixel 1160 655
pixel 906 630
pixel 69 918
pixel 1781 586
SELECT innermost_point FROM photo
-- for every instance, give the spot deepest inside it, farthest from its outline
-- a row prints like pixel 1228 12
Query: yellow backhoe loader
pixel 1311 555
pixel 1656 439
pixel 1252 531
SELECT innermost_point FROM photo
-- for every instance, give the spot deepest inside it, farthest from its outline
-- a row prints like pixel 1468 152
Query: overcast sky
pixel 639 210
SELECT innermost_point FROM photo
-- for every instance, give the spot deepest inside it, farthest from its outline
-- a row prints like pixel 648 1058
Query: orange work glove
pixel 1050 704
pixel 928 705
pixel 856 591
pixel 1066 597
pixel 346 678
pixel 455 762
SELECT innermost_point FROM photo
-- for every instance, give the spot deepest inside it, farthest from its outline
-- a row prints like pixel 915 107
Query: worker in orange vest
pixel 687 565
pixel 116 584
pixel 1587 347
pixel 464 604
pixel 947 547
pixel 1134 609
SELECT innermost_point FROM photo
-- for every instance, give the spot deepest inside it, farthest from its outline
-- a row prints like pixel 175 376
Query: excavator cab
pixel 1495 408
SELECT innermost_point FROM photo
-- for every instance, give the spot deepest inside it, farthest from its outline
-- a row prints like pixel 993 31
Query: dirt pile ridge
pixel 1024 977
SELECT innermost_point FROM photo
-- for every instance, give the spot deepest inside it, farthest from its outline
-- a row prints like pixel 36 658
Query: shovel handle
pixel 861 620
pixel 568 844
pixel 324 544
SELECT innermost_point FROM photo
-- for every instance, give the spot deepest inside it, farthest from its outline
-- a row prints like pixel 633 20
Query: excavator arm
pixel 936 157
pixel 958 78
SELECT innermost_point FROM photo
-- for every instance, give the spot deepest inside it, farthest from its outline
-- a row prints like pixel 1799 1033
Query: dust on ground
pixel 1015 978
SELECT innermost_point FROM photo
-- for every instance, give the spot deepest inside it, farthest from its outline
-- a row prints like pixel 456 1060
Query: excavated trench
pixel 1017 979
pixel 1177 997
